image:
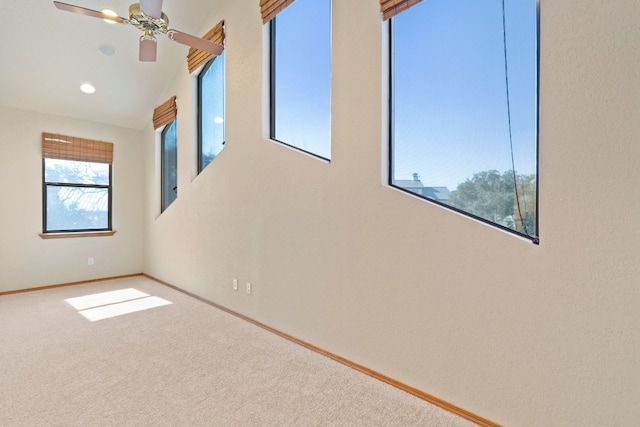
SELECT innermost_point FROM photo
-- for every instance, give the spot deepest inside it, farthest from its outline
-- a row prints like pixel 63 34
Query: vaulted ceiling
pixel 46 54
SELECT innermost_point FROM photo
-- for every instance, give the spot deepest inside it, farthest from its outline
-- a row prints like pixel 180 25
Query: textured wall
pixel 522 334
pixel 28 261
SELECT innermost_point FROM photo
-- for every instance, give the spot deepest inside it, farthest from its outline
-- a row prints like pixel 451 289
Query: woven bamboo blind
pixel 391 8
pixel 56 146
pixel 270 8
pixel 165 113
pixel 196 58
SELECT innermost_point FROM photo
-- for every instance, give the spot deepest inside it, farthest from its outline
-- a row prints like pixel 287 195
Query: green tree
pixel 491 195
pixel 71 207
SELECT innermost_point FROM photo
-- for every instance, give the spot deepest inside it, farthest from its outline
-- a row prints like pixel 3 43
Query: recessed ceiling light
pixel 107 50
pixel 218 120
pixel 109 12
pixel 87 88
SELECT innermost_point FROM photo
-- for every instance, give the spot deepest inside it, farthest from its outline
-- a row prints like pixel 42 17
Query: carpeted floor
pixel 184 363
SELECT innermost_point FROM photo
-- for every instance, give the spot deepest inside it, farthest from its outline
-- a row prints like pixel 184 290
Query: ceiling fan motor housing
pixel 146 23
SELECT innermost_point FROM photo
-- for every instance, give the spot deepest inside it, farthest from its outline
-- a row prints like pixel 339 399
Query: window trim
pixel 76 232
pixel 535 239
pixel 272 80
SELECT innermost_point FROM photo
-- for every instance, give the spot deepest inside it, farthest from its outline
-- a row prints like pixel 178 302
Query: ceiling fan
pixel 148 17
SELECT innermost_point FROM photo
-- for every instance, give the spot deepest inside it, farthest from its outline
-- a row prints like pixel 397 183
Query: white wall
pixel 522 334
pixel 28 261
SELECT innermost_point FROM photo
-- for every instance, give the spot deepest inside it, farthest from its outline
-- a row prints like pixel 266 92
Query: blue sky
pixel 303 76
pixel 212 82
pixel 450 110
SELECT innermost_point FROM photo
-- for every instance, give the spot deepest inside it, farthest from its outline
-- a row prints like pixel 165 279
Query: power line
pixel 506 77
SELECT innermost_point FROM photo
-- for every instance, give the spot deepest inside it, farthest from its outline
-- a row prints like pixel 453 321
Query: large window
pixel 77 196
pixel 464 108
pixel 76 184
pixel 210 111
pixel 301 77
pixel 169 168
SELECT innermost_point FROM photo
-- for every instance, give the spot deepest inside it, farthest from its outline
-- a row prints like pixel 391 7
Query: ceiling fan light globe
pixel 87 88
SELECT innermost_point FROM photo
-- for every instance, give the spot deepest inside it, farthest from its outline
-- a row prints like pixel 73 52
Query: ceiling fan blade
pixel 148 50
pixel 195 42
pixel 152 8
pixel 89 12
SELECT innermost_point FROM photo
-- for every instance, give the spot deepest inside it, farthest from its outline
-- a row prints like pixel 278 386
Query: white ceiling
pixel 46 54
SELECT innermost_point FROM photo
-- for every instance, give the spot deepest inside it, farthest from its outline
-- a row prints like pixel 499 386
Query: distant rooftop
pixel 415 186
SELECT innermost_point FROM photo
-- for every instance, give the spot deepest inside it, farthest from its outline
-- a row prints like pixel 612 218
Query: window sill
pixel 77 234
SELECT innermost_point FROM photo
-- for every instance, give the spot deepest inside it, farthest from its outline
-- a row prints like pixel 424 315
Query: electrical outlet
pixel 235 284
pixel 248 288
pixel 90 261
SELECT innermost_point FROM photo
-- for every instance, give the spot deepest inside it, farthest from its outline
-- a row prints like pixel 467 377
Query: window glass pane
pixel 169 164
pixel 77 208
pixel 71 171
pixel 461 124
pixel 302 77
pixel 211 87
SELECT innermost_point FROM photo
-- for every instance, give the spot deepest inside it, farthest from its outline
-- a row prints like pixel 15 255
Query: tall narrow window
pixel 211 111
pixel 169 168
pixel 301 77
pixel 165 115
pixel 465 108
pixel 76 184
pixel 211 93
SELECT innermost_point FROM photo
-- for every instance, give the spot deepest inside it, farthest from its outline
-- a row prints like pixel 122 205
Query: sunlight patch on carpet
pixel 106 305
pixel 105 298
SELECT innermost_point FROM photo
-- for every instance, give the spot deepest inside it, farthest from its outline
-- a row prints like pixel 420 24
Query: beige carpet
pixel 179 364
